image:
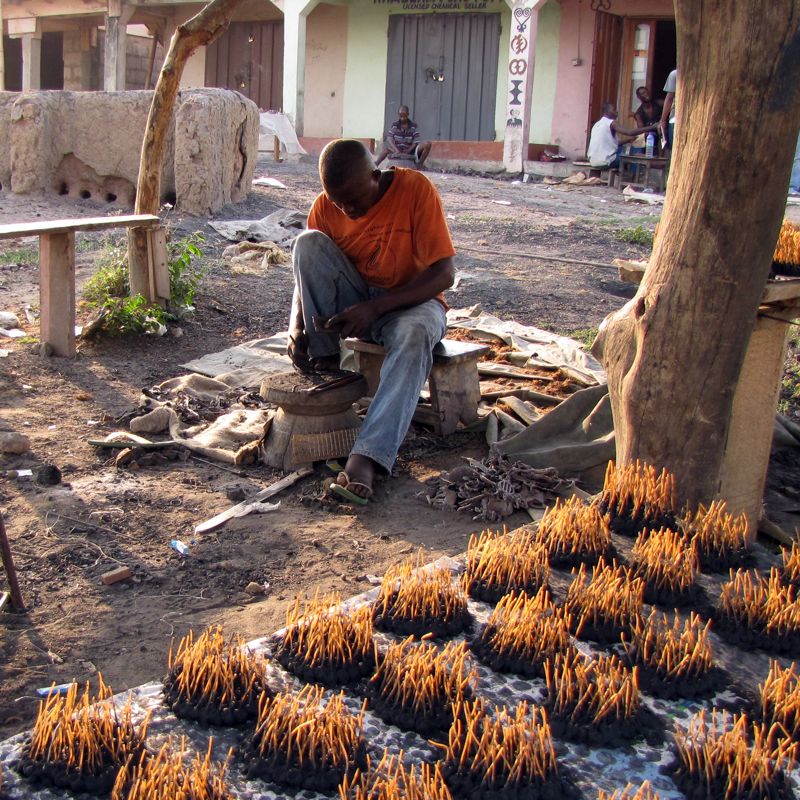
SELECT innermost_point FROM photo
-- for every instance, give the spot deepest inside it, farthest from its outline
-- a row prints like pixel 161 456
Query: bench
pixel 57 270
pixel 454 384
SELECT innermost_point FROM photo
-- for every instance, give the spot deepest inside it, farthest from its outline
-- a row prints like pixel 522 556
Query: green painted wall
pixel 365 75
pixel 545 72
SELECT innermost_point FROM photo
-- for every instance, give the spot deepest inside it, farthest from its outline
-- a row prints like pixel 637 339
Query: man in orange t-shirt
pixel 374 263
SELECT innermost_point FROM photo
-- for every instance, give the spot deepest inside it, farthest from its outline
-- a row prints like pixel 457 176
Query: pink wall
pixel 570 115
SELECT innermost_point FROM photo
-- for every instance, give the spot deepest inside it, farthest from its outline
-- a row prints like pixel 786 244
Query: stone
pixel 48 475
pixel 116 575
pixel 8 320
pixel 14 443
pixel 254 589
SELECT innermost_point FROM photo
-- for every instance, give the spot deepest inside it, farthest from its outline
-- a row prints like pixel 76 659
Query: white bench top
pixel 447 351
pixel 16 230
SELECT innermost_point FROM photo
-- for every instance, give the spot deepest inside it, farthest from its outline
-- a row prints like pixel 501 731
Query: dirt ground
pixel 64 537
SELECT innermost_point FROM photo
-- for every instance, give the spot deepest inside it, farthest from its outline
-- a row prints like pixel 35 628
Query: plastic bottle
pixel 649 145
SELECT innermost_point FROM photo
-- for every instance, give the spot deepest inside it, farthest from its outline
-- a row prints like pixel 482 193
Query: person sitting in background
pixel 794 181
pixel 404 142
pixel 649 112
pixel 604 148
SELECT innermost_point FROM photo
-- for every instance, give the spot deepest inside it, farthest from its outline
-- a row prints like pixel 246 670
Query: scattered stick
pixel 238 472
pixel 11 572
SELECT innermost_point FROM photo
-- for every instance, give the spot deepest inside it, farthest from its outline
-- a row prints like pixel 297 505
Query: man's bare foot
pixel 358 475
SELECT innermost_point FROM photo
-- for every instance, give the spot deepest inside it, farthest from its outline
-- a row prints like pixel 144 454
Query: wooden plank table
pixel 57 269
pixel 636 163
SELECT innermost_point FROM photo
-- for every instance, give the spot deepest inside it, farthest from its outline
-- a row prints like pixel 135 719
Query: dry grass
pixel 423 678
pixel 780 699
pixel 717 532
pixel 505 562
pixel 791 564
pixel 529 628
pixel 307 732
pixel 636 490
pixel 610 596
pixel 732 755
pixel 321 633
pixel 787 249
pixel 391 779
pixel 85 733
pixel 573 527
pixel 211 670
pixel 166 776
pixel 678 651
pixel 763 604
pixel 592 691
pixel 644 792
pixel 504 749
pixel 665 561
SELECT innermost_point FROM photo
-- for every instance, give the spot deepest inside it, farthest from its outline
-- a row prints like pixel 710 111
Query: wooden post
pixel 11 572
pixel 2 56
pixel 57 291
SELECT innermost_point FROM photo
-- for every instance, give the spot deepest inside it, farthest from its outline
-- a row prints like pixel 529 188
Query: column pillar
pixel 521 50
pixel 116 20
pixel 31 62
pixel 294 59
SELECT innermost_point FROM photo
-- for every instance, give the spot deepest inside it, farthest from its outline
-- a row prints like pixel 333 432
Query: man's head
pixel 403 114
pixel 609 110
pixel 643 94
pixel 349 176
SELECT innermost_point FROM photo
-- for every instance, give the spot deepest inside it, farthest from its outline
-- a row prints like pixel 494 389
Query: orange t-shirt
pixel 398 238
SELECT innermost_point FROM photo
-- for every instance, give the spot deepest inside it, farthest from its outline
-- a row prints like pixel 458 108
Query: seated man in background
pixel 373 264
pixel 403 141
pixel 604 148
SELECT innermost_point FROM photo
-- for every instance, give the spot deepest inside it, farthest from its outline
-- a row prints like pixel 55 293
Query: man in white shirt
pixel 604 149
pixel 670 109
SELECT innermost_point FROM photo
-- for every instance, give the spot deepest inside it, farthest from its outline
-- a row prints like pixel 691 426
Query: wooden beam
pixel 17 230
pixel 57 291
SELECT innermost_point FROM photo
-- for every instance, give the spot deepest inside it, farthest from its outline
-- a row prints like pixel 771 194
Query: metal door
pixel 248 57
pixel 444 68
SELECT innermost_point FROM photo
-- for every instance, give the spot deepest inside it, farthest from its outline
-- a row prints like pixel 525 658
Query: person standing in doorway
pixel 403 142
pixel 669 111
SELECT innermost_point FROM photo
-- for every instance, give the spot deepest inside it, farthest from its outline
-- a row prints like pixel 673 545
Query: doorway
pixel 444 68
pixel 248 58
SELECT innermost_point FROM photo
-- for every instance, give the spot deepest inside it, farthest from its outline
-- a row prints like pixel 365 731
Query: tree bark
pixel 200 30
pixel 673 354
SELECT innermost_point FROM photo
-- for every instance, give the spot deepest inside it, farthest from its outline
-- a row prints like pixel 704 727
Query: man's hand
pixel 298 350
pixel 355 321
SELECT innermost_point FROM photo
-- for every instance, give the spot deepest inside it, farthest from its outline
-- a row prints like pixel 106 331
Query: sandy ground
pixel 64 537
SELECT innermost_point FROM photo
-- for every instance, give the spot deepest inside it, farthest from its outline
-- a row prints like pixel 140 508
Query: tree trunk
pixel 673 354
pixel 200 30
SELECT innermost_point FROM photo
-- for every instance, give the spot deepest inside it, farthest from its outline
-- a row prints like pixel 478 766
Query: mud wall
pixel 87 145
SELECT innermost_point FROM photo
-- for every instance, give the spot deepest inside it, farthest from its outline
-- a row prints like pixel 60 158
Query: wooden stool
pixel 454 385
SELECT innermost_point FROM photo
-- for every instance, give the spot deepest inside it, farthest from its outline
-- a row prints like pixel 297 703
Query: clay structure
pixel 86 146
pixel 779 696
pixel 731 758
pixel 759 612
pixel 668 565
pixel 81 741
pixel 722 539
pixel 416 685
pixel 644 792
pixel 391 779
pixel 635 497
pixel 417 601
pixel 575 533
pixel 605 604
pixel 498 563
pixel 213 681
pixel 593 700
pixel 522 633
pixel 674 658
pixel 322 642
pixel 502 755
pixel 301 741
pixel 168 776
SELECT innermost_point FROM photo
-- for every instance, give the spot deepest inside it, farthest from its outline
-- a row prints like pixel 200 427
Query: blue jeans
pixel 328 283
pixel 794 181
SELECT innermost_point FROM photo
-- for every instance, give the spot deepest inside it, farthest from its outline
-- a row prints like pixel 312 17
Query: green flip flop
pixel 345 494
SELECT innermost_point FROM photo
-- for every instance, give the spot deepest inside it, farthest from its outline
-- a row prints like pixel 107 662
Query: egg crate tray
pixel 588 767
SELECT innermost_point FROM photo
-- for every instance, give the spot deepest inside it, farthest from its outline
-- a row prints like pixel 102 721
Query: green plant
pixel 585 336
pixel 637 235
pixel 108 290
pixel 19 255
